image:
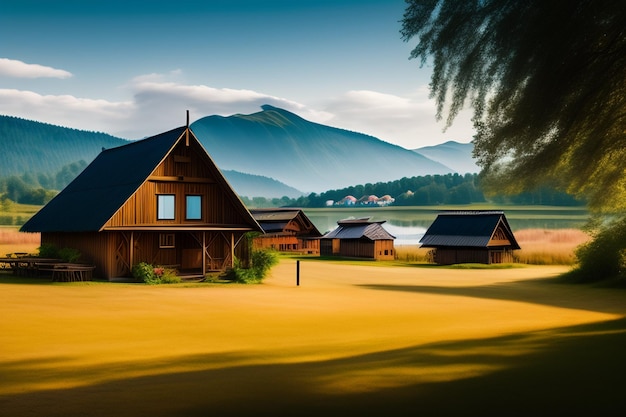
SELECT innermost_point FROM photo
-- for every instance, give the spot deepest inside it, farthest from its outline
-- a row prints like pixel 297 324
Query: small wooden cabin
pixel 160 200
pixel 358 238
pixel 286 230
pixel 470 237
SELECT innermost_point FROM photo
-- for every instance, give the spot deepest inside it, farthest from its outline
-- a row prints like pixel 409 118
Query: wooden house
pixel 286 230
pixel 471 237
pixel 358 238
pixel 160 200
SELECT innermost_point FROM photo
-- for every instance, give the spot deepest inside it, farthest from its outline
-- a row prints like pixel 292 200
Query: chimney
pixel 187 131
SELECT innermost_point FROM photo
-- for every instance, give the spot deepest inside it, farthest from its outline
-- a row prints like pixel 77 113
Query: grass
pixel 350 340
pixel 549 247
pixel 11 240
pixel 539 247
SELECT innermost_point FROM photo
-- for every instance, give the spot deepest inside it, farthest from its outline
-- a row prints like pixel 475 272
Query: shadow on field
pixel 550 292
pixel 577 370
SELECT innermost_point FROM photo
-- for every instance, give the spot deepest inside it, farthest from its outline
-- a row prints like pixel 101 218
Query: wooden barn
pixel 286 230
pixel 159 200
pixel 471 237
pixel 358 238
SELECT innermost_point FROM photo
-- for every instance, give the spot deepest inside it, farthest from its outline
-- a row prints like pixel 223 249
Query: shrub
pixel 168 276
pixel 150 274
pixel 48 251
pixel 261 262
pixel 69 255
pixel 605 255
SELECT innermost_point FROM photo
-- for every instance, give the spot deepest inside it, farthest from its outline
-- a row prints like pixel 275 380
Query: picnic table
pixel 25 266
pixel 68 272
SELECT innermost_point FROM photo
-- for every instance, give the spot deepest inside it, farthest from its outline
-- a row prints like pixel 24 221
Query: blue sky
pixel 132 68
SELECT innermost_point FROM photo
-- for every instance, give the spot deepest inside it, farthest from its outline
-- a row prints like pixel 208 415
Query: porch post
pixel 131 255
pixel 203 253
pixel 232 250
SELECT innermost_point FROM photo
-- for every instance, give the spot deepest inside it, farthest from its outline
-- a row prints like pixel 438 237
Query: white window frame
pixel 166 207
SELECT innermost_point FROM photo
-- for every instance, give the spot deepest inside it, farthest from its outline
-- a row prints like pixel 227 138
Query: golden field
pixel 539 246
pixel 350 340
pixel 11 240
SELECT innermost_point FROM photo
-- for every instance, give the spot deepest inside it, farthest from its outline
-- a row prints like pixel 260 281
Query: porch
pixel 192 253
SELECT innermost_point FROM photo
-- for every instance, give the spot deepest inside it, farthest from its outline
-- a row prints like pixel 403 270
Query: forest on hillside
pixel 27 145
pixel 38 189
pixel 422 191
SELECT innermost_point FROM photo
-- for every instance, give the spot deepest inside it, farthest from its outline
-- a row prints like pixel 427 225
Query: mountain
pixel 283 154
pixel 35 147
pixel 457 156
pixel 43 148
pixel 306 155
pixel 250 185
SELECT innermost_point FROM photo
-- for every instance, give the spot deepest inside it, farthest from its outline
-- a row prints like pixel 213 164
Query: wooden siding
pixel 499 237
pixel 449 256
pixel 141 208
pixel 355 248
pixel 384 250
pixel 287 243
pixel 95 248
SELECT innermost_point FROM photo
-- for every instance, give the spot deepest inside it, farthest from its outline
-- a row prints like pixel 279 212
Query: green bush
pixel 605 255
pixel 167 276
pixel 144 272
pixel 261 262
pixel 150 274
pixel 70 255
pixel 48 250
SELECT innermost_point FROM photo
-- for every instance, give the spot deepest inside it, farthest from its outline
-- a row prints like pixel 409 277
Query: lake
pixel 408 224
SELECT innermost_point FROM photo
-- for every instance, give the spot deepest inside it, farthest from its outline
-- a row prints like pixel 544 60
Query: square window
pixel 165 207
pixel 166 240
pixel 194 207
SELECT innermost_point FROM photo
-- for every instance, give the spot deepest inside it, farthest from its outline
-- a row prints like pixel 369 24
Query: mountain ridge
pixel 455 155
pixel 320 157
pixel 285 154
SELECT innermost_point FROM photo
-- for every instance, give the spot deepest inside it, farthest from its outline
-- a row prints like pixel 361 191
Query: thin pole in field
pixel 298 273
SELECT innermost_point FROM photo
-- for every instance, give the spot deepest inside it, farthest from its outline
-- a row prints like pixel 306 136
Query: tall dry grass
pixel 12 240
pixel 539 247
pixel 549 246
pixel 409 253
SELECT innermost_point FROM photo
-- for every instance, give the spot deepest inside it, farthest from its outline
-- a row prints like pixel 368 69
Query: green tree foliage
pixel 605 255
pixel 38 188
pixel 29 145
pixel 547 84
pixel 438 189
pixel 261 263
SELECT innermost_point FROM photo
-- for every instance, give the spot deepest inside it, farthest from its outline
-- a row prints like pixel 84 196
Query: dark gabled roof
pixel 96 194
pixel 358 229
pixel 467 229
pixel 275 220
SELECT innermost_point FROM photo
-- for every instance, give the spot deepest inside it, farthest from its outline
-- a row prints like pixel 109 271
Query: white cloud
pixel 64 110
pixel 158 104
pixel 408 121
pixel 19 69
